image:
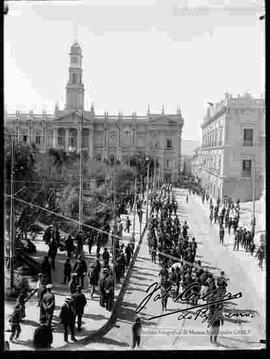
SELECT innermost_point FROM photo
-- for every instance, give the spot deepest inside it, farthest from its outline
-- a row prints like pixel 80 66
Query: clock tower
pixel 75 88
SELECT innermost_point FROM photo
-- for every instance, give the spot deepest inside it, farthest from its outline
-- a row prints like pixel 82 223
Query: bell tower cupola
pixel 75 88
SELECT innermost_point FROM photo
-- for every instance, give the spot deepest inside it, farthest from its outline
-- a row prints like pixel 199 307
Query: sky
pixel 135 52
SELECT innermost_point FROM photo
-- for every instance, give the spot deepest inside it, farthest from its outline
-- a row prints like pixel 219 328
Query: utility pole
pixel 11 219
pixel 253 220
pixel 81 175
pixel 147 189
pixel 134 208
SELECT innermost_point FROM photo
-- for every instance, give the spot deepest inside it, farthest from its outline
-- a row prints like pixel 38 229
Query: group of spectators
pixel 107 270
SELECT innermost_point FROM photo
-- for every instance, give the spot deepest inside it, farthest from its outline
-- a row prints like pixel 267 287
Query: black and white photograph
pixel 134 175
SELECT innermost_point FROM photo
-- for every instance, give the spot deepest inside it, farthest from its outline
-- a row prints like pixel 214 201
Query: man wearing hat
pixel 79 302
pixel 67 316
pixel 48 304
pixel 43 336
pixel 93 275
pixel 80 267
pixel 106 290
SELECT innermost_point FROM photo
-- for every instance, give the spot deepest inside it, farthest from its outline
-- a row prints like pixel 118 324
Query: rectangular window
pixel 169 143
pixel 74 60
pixel 24 138
pixel 50 140
pixel 38 140
pixel 246 168
pixel 169 163
pixel 248 137
pixel 85 142
pixel 61 141
pixel 71 142
pixel 74 78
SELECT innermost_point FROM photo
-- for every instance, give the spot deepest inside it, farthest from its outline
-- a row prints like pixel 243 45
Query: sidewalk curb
pixel 111 321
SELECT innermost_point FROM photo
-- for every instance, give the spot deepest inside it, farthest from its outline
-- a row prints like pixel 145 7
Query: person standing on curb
pixel 106 290
pixel 79 302
pixel 136 333
pixel 67 316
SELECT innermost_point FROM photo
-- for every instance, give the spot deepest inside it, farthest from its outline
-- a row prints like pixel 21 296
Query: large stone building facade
pixel 231 159
pixel 105 136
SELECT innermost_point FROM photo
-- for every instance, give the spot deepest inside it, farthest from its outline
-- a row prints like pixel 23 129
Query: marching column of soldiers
pixel 176 248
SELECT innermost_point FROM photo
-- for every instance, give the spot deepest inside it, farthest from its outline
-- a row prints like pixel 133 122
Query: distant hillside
pixel 188 146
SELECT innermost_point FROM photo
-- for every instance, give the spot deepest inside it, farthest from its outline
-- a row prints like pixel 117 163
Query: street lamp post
pixel 134 207
pixel 253 181
pixel 11 220
pixel 147 188
pixel 81 175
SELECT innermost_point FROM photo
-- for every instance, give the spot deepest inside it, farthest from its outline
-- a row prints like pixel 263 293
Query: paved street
pixel 236 333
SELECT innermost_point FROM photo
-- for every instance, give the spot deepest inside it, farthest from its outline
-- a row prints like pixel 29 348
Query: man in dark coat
pixel 105 256
pixel 90 240
pixel 80 268
pixel 79 239
pixel 43 336
pixel 69 246
pixel 128 254
pixel 52 252
pixel 122 262
pixel 106 290
pixel 67 271
pixel 79 302
pixel 67 316
pixel 56 235
pixel 47 235
pixel 221 234
pixel 46 269
pixel 136 333
pixel 48 303
pixel 117 270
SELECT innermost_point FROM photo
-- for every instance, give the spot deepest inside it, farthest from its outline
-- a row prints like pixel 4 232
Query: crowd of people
pixel 170 239
pixel 227 215
pixel 108 268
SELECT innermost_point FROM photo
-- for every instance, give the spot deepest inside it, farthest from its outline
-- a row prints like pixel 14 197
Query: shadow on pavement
pixel 109 341
pixel 32 323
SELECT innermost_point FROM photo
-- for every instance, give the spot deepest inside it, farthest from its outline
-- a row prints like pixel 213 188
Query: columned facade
pixel 104 137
